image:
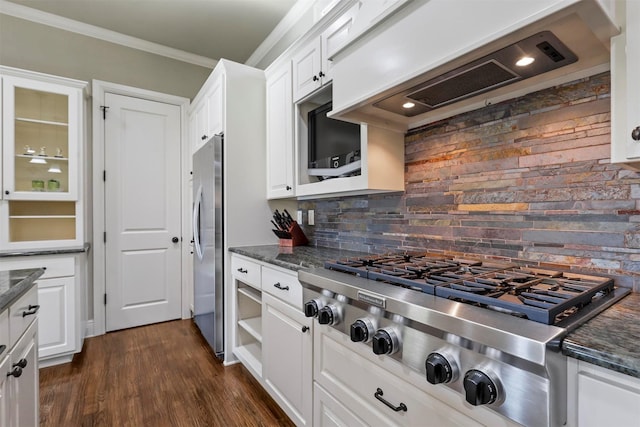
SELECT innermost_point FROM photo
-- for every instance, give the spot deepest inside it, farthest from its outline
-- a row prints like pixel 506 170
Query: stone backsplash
pixel 527 180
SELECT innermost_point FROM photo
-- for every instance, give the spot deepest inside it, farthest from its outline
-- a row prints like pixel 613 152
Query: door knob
pixel 175 240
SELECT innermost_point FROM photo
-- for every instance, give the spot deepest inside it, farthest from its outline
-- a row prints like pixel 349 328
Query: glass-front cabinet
pixel 41 169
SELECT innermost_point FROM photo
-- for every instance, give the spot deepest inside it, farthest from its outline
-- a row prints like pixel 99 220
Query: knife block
pixel 297 236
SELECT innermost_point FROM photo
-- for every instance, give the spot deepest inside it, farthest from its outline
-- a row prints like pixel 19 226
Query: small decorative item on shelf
pixel 53 185
pixel 28 151
pixel 37 185
pixel 287 230
pixel 58 152
pixel 43 151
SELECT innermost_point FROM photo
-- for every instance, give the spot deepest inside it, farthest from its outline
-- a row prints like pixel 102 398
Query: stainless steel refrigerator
pixel 208 243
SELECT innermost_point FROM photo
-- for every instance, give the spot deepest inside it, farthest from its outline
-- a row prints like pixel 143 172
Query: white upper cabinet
pixel 280 179
pixel 625 88
pixel 41 135
pixel 42 148
pixel 207 113
pixel 308 74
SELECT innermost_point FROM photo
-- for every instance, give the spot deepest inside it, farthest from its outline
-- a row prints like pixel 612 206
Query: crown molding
pixel 51 20
pixel 286 24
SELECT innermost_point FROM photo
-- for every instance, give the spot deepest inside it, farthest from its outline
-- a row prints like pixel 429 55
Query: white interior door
pixel 142 212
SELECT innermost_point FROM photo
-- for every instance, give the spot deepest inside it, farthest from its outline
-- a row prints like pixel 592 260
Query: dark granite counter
pixel 15 283
pixel 51 251
pixel 611 339
pixel 294 258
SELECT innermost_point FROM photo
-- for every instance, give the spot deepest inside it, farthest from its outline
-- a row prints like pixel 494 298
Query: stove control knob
pixel 329 315
pixel 362 330
pixel 439 370
pixel 386 341
pixel 312 307
pixel 479 388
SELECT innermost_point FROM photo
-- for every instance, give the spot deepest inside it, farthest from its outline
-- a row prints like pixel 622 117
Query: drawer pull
pixel 33 309
pixel 401 407
pixel 243 270
pixel 282 288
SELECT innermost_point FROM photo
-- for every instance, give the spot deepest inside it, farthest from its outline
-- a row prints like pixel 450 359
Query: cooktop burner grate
pixel 540 295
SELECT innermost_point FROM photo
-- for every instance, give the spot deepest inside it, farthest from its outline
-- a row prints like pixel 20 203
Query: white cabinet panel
pixel 280 179
pixel 307 69
pixel 57 316
pixel 23 389
pixel 215 110
pixel 287 359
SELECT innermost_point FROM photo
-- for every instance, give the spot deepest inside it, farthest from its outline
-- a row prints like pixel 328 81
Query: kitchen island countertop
pixel 15 283
pixel 610 340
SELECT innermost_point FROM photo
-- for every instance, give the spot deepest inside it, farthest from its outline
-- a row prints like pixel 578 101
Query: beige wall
pixel 37 47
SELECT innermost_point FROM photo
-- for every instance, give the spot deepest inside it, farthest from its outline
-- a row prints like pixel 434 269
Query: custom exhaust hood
pixel 426 71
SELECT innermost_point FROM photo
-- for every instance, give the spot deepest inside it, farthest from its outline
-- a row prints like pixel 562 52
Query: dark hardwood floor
pixel 158 375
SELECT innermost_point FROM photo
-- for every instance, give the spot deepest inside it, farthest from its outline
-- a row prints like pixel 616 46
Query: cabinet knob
pixel 322 74
pixel 22 363
pixel 305 329
pixel 15 372
pixel 6 192
pixel 175 240
pixel 288 188
pixel 203 137
pixel 635 135
pixel 315 78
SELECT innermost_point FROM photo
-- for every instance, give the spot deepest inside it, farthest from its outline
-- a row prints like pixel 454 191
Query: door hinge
pixel 104 237
pixel 104 175
pixel 105 299
pixel 104 109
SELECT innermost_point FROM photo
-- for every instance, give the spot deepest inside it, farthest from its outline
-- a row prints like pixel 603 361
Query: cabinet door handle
pixel 378 395
pixel 22 363
pixel 279 286
pixel 305 329
pixel 33 309
pixel 15 372
pixel 243 270
pixel 635 134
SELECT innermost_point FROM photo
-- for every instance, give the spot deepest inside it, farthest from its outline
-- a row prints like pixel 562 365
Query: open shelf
pixel 251 357
pixel 251 293
pixel 253 326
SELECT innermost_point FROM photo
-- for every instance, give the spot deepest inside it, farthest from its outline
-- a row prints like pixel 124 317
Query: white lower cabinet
pixel 19 379
pixel 60 295
pixel 23 389
pixel 329 412
pixel 599 396
pixel 365 388
pixel 287 360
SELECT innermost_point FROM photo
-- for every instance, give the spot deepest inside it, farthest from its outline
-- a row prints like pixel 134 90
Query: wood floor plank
pixel 158 375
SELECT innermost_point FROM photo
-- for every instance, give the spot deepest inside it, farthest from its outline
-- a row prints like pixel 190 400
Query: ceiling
pixel 231 29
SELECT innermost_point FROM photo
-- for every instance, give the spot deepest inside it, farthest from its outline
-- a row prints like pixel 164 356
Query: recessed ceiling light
pixel 408 105
pixel 524 61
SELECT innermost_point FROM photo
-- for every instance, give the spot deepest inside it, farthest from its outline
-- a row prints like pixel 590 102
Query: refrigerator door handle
pixel 196 223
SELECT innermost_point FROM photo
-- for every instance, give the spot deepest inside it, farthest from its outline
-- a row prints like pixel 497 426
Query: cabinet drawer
pixel 4 334
pixel 54 267
pixel 245 270
pixel 282 285
pixel 355 381
pixel 22 313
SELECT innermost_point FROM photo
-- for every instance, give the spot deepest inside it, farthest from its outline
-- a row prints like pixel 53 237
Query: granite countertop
pixel 293 258
pixel 50 251
pixel 15 283
pixel 610 340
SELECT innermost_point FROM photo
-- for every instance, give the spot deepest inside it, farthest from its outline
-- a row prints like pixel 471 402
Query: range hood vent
pixel 482 75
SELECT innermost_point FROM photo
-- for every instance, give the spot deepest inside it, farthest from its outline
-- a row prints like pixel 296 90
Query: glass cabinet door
pixel 40 140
